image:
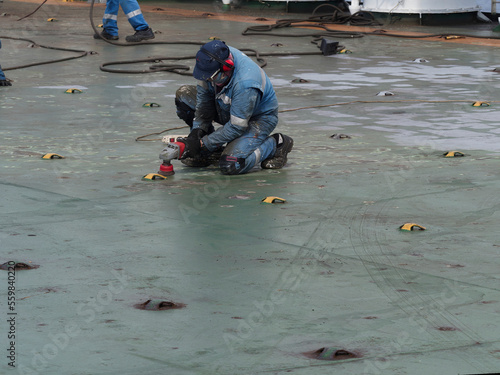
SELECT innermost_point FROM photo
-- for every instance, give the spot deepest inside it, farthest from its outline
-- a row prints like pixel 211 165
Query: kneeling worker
pixel 235 92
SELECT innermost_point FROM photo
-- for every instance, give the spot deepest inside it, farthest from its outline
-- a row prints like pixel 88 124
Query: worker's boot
pixel 284 145
pixel 141 35
pixel 105 35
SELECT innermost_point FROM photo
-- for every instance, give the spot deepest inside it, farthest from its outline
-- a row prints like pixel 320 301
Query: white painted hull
pixel 420 6
pixel 485 5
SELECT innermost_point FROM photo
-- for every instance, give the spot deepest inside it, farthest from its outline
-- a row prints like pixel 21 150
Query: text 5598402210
pixel 11 314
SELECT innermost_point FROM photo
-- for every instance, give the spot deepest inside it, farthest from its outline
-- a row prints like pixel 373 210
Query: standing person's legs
pixel 3 79
pixel 133 12
pixel 110 18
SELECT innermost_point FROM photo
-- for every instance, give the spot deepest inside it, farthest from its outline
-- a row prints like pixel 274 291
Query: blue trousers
pixel 132 11
pixel 2 76
pixel 246 151
pixel 253 147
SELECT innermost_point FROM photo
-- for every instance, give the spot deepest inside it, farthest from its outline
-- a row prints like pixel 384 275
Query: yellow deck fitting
pixel 273 200
pixel 480 104
pixel 151 105
pixel 411 226
pixel 52 156
pixel 453 154
pixel 448 37
pixel 154 176
pixel 73 91
pixel 51 20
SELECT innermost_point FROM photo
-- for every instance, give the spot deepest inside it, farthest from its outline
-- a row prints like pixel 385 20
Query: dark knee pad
pixel 184 112
pixel 231 164
pixel 185 103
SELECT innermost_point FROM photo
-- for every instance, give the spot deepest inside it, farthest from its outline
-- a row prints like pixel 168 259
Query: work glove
pixel 197 133
pixel 192 149
pixel 5 83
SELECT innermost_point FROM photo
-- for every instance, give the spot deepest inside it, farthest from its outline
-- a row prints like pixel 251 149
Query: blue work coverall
pixel 132 11
pixel 247 107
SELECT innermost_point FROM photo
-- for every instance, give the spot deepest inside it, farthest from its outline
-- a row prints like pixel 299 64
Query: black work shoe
pixel 141 35
pixel 105 35
pixel 284 145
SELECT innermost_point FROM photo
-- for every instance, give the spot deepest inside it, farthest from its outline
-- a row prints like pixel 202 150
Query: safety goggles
pixel 212 77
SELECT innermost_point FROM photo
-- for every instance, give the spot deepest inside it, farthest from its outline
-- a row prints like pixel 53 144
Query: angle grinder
pixel 173 150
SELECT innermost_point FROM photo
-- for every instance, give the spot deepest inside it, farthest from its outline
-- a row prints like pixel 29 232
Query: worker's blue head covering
pixel 209 59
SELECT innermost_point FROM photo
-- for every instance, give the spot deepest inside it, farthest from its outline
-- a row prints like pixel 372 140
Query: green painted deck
pixel 262 283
